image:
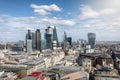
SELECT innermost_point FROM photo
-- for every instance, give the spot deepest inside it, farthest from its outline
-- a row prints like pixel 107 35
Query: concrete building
pixel 38 39
pixel 92 60
pixel 106 74
pixel 8 76
pixel 54 45
pixel 29 46
pixel 75 76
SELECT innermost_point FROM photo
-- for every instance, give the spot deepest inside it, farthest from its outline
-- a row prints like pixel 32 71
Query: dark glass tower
pixel 38 39
pixel 91 39
pixel 69 39
pixel 55 37
pixel 48 37
pixel 29 35
pixel 33 40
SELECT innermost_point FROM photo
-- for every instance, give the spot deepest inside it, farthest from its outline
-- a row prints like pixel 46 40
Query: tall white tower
pixel 29 46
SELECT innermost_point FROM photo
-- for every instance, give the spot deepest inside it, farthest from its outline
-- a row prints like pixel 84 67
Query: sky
pixel 75 17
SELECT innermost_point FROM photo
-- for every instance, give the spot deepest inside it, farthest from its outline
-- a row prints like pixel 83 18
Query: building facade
pixel 29 46
pixel 48 37
pixel 91 39
pixel 38 39
pixel 55 37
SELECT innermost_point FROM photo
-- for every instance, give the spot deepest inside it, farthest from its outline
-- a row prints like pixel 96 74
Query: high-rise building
pixel 29 42
pixel 69 39
pixel 38 39
pixel 29 35
pixel 33 40
pixel 18 46
pixel 65 44
pixel 43 44
pixel 65 37
pixel 91 39
pixel 55 37
pixel 48 37
pixel 29 46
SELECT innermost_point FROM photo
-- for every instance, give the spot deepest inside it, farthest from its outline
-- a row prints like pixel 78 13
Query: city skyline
pixel 74 17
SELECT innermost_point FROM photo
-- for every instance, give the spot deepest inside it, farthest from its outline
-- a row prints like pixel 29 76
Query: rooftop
pixel 95 55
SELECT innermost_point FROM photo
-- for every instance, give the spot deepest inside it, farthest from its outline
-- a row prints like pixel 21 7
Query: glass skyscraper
pixel 48 37
pixel 55 37
pixel 91 39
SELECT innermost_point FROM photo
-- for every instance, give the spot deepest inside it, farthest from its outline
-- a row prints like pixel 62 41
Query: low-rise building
pixel 105 74
pixel 75 76
pixel 8 76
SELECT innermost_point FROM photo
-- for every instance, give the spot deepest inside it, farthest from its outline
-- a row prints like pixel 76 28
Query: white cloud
pixel 105 3
pixel 56 21
pixel 45 9
pixel 1 20
pixel 107 11
pixel 88 13
pixel 41 12
pixel 86 26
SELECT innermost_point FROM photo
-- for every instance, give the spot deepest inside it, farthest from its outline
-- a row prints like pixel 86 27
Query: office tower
pixel 91 39
pixel 69 39
pixel 65 37
pixel 38 39
pixel 48 37
pixel 21 43
pixel 29 35
pixel 18 46
pixel 65 44
pixel 29 42
pixel 55 37
pixel 29 46
pixel 43 44
pixel 33 40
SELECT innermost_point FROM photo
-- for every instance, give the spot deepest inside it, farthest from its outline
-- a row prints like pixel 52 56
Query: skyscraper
pixel 65 44
pixel 33 40
pixel 28 35
pixel 29 42
pixel 69 39
pixel 48 37
pixel 55 37
pixel 65 37
pixel 38 39
pixel 29 46
pixel 91 39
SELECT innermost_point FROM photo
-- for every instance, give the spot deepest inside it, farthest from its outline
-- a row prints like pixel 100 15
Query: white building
pixel 54 45
pixel 2 55
pixel 29 46
pixel 1 72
